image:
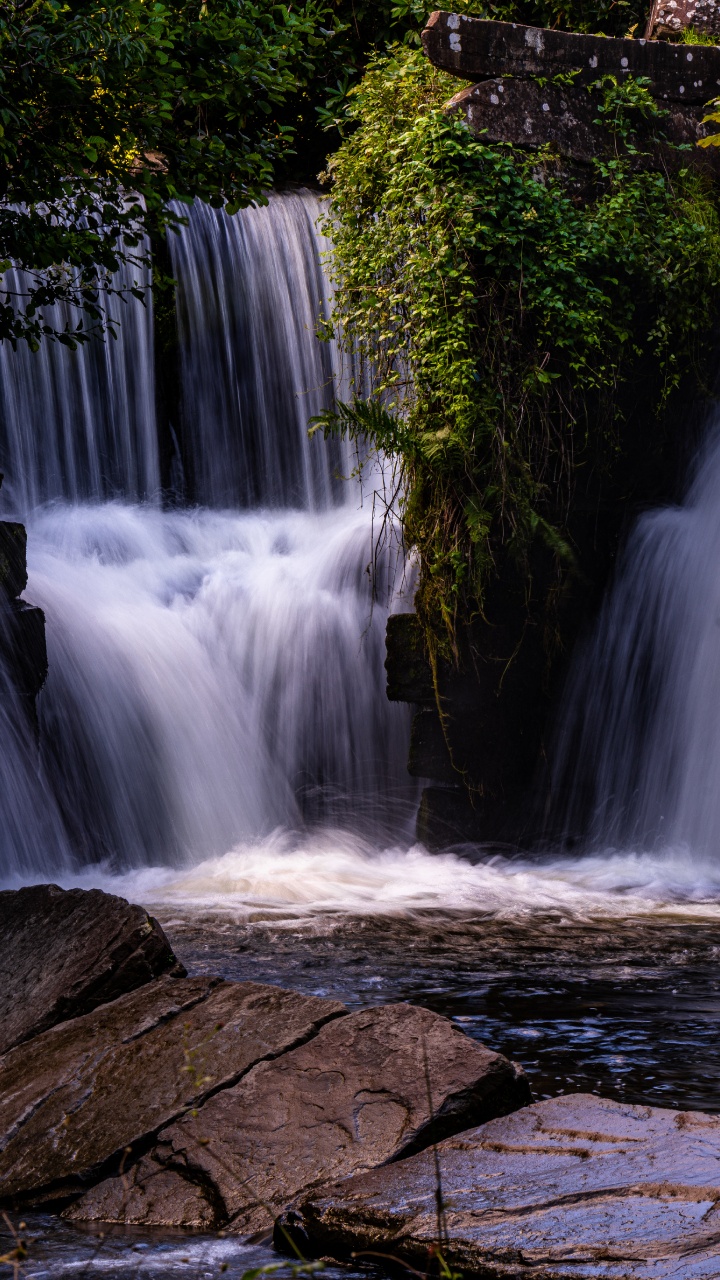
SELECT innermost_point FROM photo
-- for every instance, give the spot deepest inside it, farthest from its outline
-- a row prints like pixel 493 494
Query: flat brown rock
pixel 148 1194
pixel 75 1098
pixel 577 1186
pixel 481 49
pixel 67 951
pixel 367 1089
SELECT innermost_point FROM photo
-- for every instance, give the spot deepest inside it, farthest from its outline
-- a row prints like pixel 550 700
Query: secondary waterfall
pixel 81 426
pixel 216 672
pixel 639 749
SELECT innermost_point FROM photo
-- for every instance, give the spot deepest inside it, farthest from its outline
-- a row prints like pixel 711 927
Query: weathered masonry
pixel 516 101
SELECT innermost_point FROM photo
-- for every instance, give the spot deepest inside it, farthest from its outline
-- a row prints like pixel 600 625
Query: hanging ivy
pixel 497 313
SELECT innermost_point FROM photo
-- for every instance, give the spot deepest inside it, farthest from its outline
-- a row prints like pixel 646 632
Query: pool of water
pixel 627 1009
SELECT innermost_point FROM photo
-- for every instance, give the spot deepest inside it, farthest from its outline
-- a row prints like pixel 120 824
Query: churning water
pixel 214 724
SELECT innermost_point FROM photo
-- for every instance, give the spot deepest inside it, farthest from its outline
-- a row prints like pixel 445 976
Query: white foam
pixel 335 874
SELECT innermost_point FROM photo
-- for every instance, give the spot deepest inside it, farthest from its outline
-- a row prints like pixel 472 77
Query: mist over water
pixel 215 676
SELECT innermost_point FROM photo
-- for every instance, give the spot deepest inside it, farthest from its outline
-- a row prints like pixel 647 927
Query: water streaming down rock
pixel 214 674
pixel 638 761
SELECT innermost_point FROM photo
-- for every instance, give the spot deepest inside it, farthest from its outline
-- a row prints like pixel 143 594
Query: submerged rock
pixel 577 1186
pixel 78 1101
pixel 369 1088
pixel 67 951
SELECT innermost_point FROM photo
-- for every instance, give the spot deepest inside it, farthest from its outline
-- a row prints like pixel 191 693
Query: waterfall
pixel 638 759
pixel 81 425
pixel 216 672
pixel 251 290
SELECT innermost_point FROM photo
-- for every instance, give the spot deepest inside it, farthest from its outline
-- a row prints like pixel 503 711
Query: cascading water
pixel 216 672
pixel 250 292
pixel 81 427
pixel 638 758
pixel 216 742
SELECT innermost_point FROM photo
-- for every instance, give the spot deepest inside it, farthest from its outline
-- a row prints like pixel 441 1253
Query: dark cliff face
pixel 22 626
pixel 483 724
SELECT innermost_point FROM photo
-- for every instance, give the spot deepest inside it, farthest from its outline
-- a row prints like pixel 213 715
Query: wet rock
pixel 23 652
pixel 149 1194
pixel 428 756
pixel 409 676
pixel 13 559
pixel 448 816
pixel 75 1099
pixel 22 647
pixel 577 1186
pixel 369 1088
pixel 67 951
pixel 481 49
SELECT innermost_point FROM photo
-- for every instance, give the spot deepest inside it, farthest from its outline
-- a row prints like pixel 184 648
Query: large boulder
pixel 369 1088
pixel 577 1186
pixel 67 951
pixel 79 1101
pixel 671 17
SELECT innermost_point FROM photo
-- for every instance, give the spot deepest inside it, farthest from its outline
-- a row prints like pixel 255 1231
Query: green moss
pixel 498 316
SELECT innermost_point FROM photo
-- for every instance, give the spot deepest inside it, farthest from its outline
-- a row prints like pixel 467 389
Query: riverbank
pixel 623 1005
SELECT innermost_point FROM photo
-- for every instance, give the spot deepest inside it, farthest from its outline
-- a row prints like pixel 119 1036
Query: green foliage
pixel 690 35
pixel 109 113
pixel 164 99
pixel 625 105
pixel 713 117
pixel 498 314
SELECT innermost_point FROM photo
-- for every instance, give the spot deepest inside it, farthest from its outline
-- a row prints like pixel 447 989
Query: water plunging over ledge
pixel 215 672
pixel 638 761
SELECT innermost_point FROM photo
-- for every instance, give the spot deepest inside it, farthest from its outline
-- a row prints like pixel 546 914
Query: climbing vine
pixel 497 310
